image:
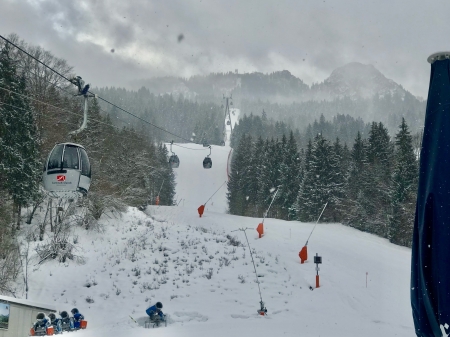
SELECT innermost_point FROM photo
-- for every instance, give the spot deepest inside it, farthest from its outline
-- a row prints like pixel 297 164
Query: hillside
pixel 355 89
pixel 200 268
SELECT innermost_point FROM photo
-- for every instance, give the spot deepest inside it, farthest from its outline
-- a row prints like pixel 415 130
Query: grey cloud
pixel 395 36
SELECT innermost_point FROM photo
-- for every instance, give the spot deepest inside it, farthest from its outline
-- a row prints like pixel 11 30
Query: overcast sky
pixel 309 38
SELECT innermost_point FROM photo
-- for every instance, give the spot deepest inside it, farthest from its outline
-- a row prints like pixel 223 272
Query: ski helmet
pixel 52 316
pixel 40 315
pixel 158 305
pixel 74 311
pixel 64 314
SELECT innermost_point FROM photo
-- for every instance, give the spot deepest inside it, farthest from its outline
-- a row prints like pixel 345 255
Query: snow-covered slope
pixel 207 284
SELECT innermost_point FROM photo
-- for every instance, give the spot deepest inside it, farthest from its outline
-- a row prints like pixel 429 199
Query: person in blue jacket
pixel 77 317
pixel 155 310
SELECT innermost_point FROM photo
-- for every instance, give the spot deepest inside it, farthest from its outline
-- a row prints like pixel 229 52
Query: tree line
pixel 370 186
pixel 37 110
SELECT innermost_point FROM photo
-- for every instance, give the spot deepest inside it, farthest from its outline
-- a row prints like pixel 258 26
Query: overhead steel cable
pixel 24 51
pixel 69 123
pixel 99 97
pixel 57 107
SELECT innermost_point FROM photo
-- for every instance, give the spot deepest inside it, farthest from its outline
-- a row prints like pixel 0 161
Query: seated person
pixel 155 312
pixel 77 318
pixel 55 320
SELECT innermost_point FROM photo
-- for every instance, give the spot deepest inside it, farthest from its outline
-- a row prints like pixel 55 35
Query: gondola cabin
pixel 174 161
pixel 207 163
pixel 67 172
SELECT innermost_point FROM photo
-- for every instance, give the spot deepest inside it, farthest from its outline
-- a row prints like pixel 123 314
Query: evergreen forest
pixel 38 109
pixel 370 185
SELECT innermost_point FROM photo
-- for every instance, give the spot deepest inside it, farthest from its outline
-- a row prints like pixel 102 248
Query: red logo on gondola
pixel 61 178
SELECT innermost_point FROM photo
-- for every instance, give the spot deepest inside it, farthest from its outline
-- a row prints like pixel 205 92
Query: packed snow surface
pixel 201 270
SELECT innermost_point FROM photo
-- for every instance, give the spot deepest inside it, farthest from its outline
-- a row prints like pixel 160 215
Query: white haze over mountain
pixel 354 80
pixel 309 38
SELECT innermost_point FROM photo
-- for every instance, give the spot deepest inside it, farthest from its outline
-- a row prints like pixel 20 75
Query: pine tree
pixel 254 169
pixel 377 181
pixel 19 156
pixel 338 172
pixel 290 175
pixel 166 176
pixel 316 188
pixel 239 166
pixel 404 188
pixel 355 191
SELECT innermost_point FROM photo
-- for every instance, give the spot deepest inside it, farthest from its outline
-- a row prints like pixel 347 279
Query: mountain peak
pixel 359 80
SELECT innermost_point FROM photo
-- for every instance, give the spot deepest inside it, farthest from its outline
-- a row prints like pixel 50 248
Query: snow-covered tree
pixel 19 156
pixel 404 188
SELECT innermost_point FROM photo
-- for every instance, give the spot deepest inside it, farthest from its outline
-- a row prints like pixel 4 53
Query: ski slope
pixel 207 285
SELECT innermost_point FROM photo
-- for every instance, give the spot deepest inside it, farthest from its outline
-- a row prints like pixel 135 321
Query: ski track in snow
pixel 208 286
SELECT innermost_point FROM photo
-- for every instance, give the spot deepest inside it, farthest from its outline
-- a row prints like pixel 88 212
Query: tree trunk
pixel 50 205
pixel 19 211
pixel 42 226
pixel 35 206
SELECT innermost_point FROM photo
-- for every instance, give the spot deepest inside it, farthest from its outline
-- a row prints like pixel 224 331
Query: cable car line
pixel 84 91
pixel 188 148
pixel 62 109
pixel 55 119
pixel 76 114
pixel 48 67
pixel 98 97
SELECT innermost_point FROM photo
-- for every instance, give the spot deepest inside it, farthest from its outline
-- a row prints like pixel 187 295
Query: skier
pixel 55 320
pixel 77 318
pixel 41 324
pixel 154 311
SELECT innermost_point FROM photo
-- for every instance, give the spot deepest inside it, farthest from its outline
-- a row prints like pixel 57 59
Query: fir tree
pixel 377 180
pixel 404 188
pixel 316 188
pixel 290 174
pixel 239 166
pixel 19 156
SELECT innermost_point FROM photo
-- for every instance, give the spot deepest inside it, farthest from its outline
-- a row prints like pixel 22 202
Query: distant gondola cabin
pixel 174 161
pixel 207 163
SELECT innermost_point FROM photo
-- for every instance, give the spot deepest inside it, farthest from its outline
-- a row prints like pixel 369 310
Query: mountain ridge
pixel 354 80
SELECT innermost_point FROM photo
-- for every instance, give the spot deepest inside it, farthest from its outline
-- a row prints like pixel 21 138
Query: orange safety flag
pixel 157 200
pixel 303 254
pixel 260 230
pixel 200 210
